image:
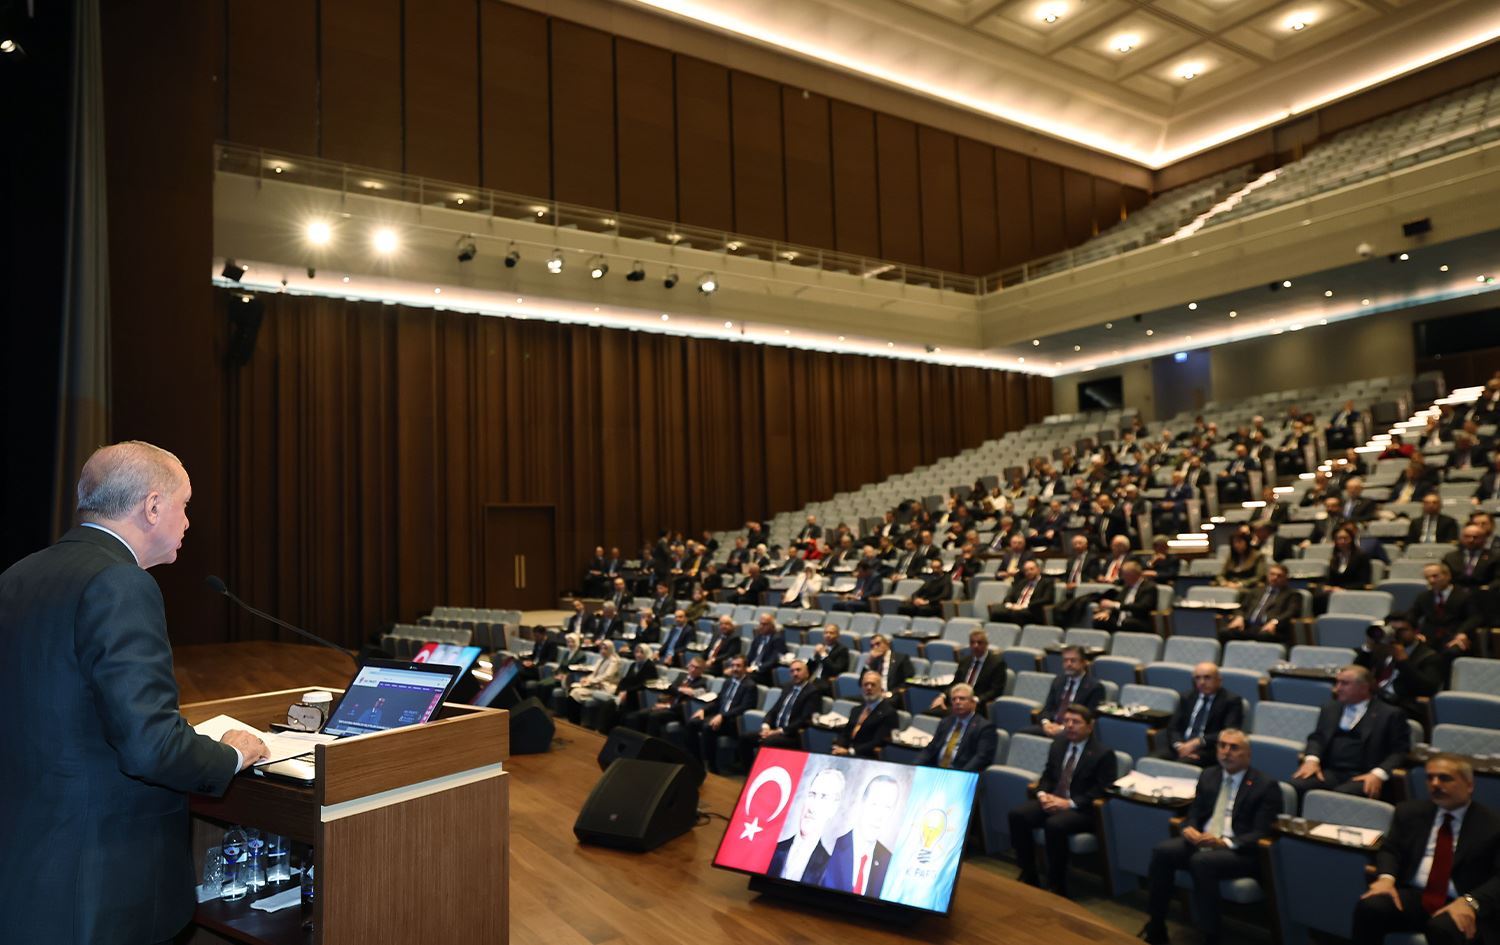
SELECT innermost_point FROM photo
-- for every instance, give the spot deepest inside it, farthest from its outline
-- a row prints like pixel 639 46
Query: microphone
pixel 219 587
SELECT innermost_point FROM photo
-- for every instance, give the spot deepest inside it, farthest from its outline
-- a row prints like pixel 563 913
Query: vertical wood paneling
pixel 1135 199
pixel 704 182
pixel 1109 201
pixel 647 130
pixel 1013 199
pixel 442 90
pixel 1078 206
pixel 360 82
pixel 809 171
pixel 1047 231
pixel 942 244
pixel 516 123
pixel 759 187
pixel 583 119
pixel 856 214
pixel 900 197
pixel 272 75
pixel 977 211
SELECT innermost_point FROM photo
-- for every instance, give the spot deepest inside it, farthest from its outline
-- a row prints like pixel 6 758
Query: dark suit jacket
pixel 801 712
pixel 1094 772
pixel 1092 568
pixel 721 650
pixel 868 586
pixel 990 683
pixel 1476 858
pixel 765 651
pixel 1446 529
pixel 746 697
pixel 1136 616
pixel 828 667
pixel 812 873
pixel 673 641
pixel 599 628
pixel 750 591
pixel 1384 737
pixel 975 751
pixel 1255 807
pixel 839 872
pixel 1226 711
pixel 875 731
pixel 901 669
pixel 95 832
pixel 936 589
pixel 1420 674
pixel 634 680
pixel 1356 574
pixel 1364 509
pixel 1460 615
pixel 1035 611
pixel 1484 568
pixel 1283 607
pixel 1090 693
pixel 544 651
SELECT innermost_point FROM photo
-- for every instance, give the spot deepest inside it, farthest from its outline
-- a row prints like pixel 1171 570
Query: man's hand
pixel 1268 628
pixel 840 750
pixel 1371 784
pixel 1238 623
pixel 1462 915
pixel 250 747
pixel 1051 728
pixel 714 722
pixel 1309 768
pixel 697 716
pixel 1192 835
pixel 939 702
pixel 1386 886
pixel 1051 803
pixel 1459 642
pixel 1188 748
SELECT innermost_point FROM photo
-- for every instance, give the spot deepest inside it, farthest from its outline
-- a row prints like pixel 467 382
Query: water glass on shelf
pixel 234 853
pixel 213 872
pixel 309 887
pixel 1299 825
pixel 1284 821
pixel 255 860
pixel 278 859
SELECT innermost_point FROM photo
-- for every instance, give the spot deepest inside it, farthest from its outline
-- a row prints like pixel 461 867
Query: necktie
pixel 1067 698
pixel 1349 509
pixel 786 707
pixel 859 878
pixel 1200 716
pixel 973 670
pixel 1077 570
pixel 953 739
pixel 1469 564
pixel 1260 609
pixel 1065 783
pixel 1222 809
pixel 1427 528
pixel 1435 893
pixel 1026 593
pixel 728 699
pixel 1114 570
pixel 1439 599
pixel 1347 723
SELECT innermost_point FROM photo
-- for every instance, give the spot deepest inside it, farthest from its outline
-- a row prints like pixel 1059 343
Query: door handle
pixel 515 570
pixel 523 571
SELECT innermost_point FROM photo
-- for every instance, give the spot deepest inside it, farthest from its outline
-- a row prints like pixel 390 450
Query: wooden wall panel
pixel 583 116
pixel 977 211
pixel 704 179
pixel 1048 232
pixel 942 243
pixel 856 215
pixel 1078 206
pixel 647 130
pixel 1013 197
pixel 516 124
pixel 1109 204
pixel 1135 199
pixel 364 439
pixel 809 168
pixel 900 194
pixel 271 77
pixel 442 90
pixel 360 82
pixel 759 184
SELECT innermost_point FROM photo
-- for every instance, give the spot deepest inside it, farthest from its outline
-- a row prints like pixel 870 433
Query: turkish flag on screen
pixel 755 823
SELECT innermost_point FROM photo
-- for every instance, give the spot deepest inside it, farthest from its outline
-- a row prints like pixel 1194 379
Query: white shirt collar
pixel 110 531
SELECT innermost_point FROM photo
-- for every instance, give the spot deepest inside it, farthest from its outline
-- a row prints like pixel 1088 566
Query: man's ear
pixel 151 507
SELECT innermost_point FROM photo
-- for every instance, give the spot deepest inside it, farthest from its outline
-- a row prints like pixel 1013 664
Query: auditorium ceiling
pixel 1151 81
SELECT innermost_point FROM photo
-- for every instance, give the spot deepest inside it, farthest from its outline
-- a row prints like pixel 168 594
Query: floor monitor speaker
pixel 638 805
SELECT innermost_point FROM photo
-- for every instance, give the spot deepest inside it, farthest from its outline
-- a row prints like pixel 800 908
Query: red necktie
pixel 1440 597
pixel 973 670
pixel 1026 594
pixel 859 880
pixel 1435 893
pixel 1114 569
pixel 1067 699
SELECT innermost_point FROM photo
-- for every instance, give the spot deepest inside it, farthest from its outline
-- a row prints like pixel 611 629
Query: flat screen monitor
pixel 448 654
pixel 853 827
pixel 1102 393
pixel 505 672
pixel 386 694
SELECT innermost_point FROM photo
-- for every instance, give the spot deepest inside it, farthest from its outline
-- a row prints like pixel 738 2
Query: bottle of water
pixel 236 883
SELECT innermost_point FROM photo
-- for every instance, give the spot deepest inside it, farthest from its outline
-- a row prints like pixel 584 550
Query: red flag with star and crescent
pixel 756 821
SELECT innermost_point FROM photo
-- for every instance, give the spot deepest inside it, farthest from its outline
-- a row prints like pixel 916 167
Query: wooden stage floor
pixel 563 893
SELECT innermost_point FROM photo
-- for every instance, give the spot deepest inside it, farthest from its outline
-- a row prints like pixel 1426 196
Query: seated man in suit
pixel 1161 566
pixel 830 659
pixel 676 639
pixel 1129 606
pixel 599 682
pixel 1027 598
pixel 792 712
pixel 870 726
pixel 859 860
pixel 1015 555
pixel 1075 684
pixel 928 599
pixel 749 591
pixel 669 705
pixel 765 650
pixel 1266 613
pixel 1202 713
pixel 1357 742
pixel 1432 525
pixel 619 596
pixel 965 740
pixel 802 857
pixel 1471 564
pixel 1406 670
pixel 1232 810
pixel 601 714
pixel 1438 865
pixel 894 669
pixel 543 650
pixel 1082 566
pixel 1077 772
pixel 868 585
pixel 722 716
pixel 606 624
pixel 1171 511
pixel 981 669
pixel 724 647
pixel 1446 615
pixel 1234 480
pixel 1339 433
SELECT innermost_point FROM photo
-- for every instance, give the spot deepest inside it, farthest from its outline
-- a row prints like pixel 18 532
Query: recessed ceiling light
pixel 346 280
pixel 890 344
pixel 1150 332
pixel 1021 360
pixel 1327 293
pixel 1234 314
pixel 1109 324
pixel 1192 306
pixel 1078 347
pixel 1036 342
pixel 437 291
pixel 937 350
pixel 786 331
pixel 1443 268
pixel 519 300
pixel 1404 257
pixel 1189 70
pixel 1298 21
pixel 1322 321
pixel 1364 301
pixel 1286 283
pixel 1051 12
pixel 664 316
pixel 1125 42
pixel 841 337
pixel 729 324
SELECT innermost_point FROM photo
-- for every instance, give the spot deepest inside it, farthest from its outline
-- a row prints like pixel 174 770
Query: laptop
pixel 383 695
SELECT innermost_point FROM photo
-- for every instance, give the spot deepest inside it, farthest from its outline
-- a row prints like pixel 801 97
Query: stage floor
pixel 562 892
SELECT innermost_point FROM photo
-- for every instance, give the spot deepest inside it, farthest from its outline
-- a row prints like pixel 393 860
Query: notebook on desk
pixel 383 695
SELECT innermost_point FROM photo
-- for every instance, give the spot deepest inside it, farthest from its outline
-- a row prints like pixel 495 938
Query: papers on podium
pixel 281 745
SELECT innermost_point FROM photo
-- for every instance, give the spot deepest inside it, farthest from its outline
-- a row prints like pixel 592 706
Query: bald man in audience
pixel 1202 713
pixel 1357 742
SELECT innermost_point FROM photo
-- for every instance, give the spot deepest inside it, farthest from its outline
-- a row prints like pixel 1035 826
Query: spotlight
pixel 512 257
pixel 637 272
pixel 707 284
pixel 385 240
pixel 598 267
pixel 670 279
pixel 555 262
pixel 467 249
pixel 233 271
pixel 11 49
pixel 319 233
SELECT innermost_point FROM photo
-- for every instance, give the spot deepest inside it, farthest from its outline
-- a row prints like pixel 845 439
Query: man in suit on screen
pixel 859 860
pixel 803 857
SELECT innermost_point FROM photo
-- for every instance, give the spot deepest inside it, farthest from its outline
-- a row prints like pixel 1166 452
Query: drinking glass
pixel 235 884
pixel 213 872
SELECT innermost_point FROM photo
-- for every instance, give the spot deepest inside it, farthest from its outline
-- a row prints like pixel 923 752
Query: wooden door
pixel 520 557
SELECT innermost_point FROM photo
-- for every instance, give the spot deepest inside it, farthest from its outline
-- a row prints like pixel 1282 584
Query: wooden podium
pixel 410 830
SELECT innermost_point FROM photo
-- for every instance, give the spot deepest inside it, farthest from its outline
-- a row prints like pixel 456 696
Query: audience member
pixel 1073 685
pixel 870 726
pixel 725 646
pixel 1432 525
pixel 964 740
pixel 791 713
pixel 766 649
pixel 829 660
pixel 894 669
pixel 1266 613
pixel 928 599
pixel 1245 566
pixel 1405 669
pixel 721 717
pixel 1357 742
pixel 1128 607
pixel 1028 597
pixel 1202 713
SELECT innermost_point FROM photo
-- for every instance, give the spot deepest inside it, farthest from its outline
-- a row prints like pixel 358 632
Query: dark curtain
pixel 363 441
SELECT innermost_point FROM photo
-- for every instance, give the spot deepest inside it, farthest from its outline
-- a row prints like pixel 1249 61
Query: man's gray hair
pixel 115 479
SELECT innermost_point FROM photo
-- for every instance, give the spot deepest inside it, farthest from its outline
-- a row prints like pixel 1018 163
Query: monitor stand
pixel 883 913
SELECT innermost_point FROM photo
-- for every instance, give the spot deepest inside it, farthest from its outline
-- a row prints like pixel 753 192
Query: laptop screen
pixel 389 696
